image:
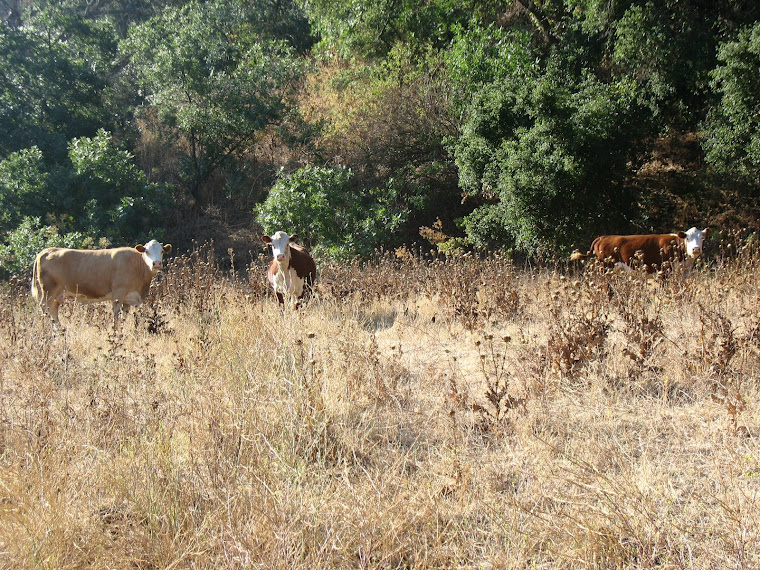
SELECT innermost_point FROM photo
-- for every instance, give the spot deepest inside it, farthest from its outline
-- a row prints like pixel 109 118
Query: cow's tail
pixel 578 254
pixel 36 282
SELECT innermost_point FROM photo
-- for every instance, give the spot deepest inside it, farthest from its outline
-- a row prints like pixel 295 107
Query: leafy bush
pixel 24 187
pixel 326 210
pixel 110 193
pixel 733 127
pixel 27 240
pixel 217 93
pixel 545 152
pixel 388 120
pixel 55 80
pixel 371 29
pixel 102 196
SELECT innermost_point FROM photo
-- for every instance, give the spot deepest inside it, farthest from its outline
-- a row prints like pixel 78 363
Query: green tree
pixel 323 206
pixel 24 187
pixel 213 78
pixel 109 195
pixel 732 140
pixel 54 80
pixel 546 152
pixel 99 192
pixel 368 29
pixel 27 240
pixel 666 49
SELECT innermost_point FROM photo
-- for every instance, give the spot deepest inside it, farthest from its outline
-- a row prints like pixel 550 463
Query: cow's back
pixel 650 249
pixel 92 274
pixel 303 264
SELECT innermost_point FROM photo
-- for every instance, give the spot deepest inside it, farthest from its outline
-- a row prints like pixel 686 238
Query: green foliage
pixel 526 121
pixel 668 49
pixel 325 209
pixel 53 84
pixel 24 186
pixel 109 194
pixel 100 193
pixel 546 153
pixel 281 20
pixel 481 56
pixel 371 28
pixel 733 128
pixel 27 240
pixel 212 78
pixel 388 124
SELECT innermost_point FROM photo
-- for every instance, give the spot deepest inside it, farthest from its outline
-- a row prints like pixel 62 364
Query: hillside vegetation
pixel 419 412
pixel 520 126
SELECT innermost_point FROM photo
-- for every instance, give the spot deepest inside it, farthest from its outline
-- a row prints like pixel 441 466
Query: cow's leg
pixel 50 299
pixel 53 303
pixel 124 300
pixel 117 305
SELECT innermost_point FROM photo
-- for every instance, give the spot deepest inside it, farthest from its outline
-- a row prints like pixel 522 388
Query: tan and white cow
pixel 292 271
pixel 121 275
pixel 650 250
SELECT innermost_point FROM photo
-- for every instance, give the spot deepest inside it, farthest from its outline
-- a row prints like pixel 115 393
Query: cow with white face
pixel 653 251
pixel 121 275
pixel 292 271
pixel 693 241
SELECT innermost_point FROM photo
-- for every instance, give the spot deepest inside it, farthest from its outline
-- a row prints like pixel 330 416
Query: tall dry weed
pixel 579 326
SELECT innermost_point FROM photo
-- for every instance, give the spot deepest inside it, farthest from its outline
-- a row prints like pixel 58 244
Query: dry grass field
pixel 418 413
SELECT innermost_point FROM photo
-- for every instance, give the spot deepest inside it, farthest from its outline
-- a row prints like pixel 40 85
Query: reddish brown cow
pixel 292 271
pixel 121 275
pixel 649 250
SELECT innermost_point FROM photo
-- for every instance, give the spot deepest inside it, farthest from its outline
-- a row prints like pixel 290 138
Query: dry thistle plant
pixel 498 379
pixel 639 321
pixel 579 326
pixel 190 282
pixel 720 346
pixel 493 415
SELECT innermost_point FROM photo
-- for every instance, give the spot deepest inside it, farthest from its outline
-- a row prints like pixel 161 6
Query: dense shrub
pixel 99 193
pixel 733 128
pixel 27 240
pixel 323 206
pixel 388 120
pixel 24 187
pixel 548 157
pixel 115 197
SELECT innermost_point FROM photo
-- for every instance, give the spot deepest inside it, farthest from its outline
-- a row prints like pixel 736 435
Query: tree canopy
pixel 527 126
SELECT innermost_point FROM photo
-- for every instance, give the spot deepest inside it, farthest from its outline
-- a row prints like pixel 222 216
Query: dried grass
pixel 419 412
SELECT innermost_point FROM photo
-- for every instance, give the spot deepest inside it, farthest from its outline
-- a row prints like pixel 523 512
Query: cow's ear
pixel 294 238
pixel 140 248
pixel 682 235
pixel 266 239
pixel 706 232
pixel 168 248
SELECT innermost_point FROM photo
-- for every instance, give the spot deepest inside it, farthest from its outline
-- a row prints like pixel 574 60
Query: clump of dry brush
pixel 475 291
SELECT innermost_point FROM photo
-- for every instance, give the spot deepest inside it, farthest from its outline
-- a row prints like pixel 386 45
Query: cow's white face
pixel 693 240
pixel 153 254
pixel 280 242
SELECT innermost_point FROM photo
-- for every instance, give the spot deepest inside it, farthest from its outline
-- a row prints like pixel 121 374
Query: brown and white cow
pixel 121 275
pixel 651 250
pixel 292 271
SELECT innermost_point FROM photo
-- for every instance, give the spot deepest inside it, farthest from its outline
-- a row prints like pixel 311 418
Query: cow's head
pixel 693 239
pixel 153 254
pixel 280 242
